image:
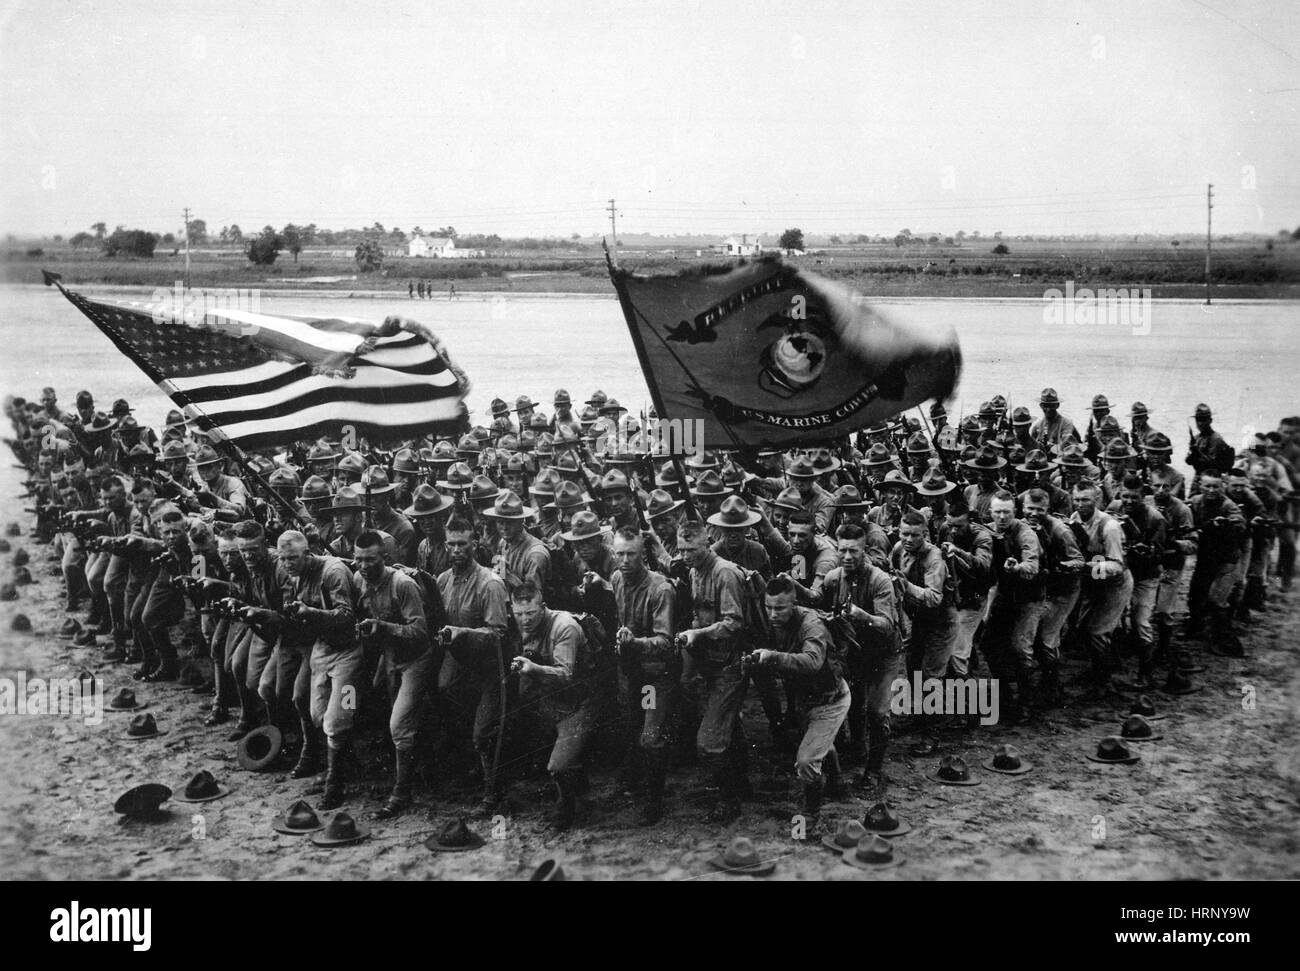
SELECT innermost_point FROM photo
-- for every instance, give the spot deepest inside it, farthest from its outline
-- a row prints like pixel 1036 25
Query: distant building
pixel 741 246
pixel 436 247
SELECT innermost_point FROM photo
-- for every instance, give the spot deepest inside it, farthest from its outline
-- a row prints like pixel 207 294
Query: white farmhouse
pixel 436 247
pixel 741 246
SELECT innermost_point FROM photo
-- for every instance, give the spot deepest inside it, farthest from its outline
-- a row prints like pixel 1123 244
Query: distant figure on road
pixel 410 289
pixel 420 287
pixel 451 293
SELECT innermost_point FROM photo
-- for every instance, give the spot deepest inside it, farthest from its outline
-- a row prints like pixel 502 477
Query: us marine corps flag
pixel 769 355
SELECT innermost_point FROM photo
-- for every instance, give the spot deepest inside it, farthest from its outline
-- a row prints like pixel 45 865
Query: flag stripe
pixel 435 417
pixel 312 390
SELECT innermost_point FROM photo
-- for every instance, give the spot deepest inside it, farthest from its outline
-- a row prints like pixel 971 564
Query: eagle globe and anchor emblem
pixel 795 361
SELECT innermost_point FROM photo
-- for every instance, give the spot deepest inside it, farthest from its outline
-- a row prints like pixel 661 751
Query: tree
pixel 100 229
pixel 791 239
pixel 1001 249
pixel 236 234
pixel 835 241
pixel 292 237
pixel 961 234
pixel 448 231
pixel 369 256
pixel 81 239
pixel 168 238
pixel 198 230
pixel 131 242
pixel 264 248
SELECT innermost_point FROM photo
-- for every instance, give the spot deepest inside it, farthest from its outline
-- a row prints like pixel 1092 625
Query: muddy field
pixel 1216 798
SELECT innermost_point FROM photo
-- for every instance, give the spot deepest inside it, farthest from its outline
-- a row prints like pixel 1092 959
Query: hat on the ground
pixel 298 820
pixel 203 787
pixel 741 857
pixel 1113 749
pixel 142 727
pixel 846 835
pixel 340 830
pixel 70 627
pixel 734 513
pixel 1144 706
pixel 21 557
pixel 13 529
pixel 20 623
pixel 548 871
pixel 1178 683
pixel 873 852
pixel 953 771
pixel 142 802
pixel 1137 729
pixel 8 591
pixel 660 502
pixel 124 700
pixel 1006 759
pixel 259 748
pixel 881 820
pixel 454 837
pixel 585 525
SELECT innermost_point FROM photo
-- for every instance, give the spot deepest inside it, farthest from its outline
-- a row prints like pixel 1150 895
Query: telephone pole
pixel 187 247
pixel 613 230
pixel 1209 209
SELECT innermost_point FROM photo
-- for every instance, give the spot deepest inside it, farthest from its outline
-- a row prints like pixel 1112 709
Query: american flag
pixel 264 381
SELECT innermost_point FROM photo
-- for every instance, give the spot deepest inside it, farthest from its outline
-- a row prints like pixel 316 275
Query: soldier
pixel 1248 586
pixel 216 490
pixel 1180 541
pixel 471 678
pixel 1060 562
pixel 1093 445
pixel 1053 430
pixel 1140 427
pixel 1158 450
pixel 1207 449
pixel 967 548
pixel 1221 530
pixel 1107 587
pixel 1016 607
pixel 809 661
pixel 927 597
pixel 862 594
pixel 1145 538
pixel 1039 468
pixel 812 556
pixel 712 647
pixel 318 597
pixel 380 494
pixel 523 557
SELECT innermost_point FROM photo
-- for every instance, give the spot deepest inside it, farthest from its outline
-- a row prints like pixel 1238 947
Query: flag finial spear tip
pixel 50 278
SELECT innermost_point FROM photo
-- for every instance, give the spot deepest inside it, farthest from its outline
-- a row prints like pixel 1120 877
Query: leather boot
pixel 1050 686
pixel 96 615
pixel 835 787
pixel 873 776
pixel 653 810
pixel 812 799
pixel 566 798
pixel 1255 598
pixel 334 783
pixel 168 668
pixel 1222 634
pixel 491 790
pixel 399 800
pixel 309 758
pixel 118 652
pixel 1164 638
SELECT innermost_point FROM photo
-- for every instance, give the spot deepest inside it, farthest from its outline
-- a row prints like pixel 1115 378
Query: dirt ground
pixel 1216 798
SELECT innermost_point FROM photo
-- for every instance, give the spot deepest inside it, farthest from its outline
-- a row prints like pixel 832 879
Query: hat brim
pixel 921 490
pixel 527 513
pixel 136 707
pixel 935 777
pixel 845 505
pixel 1024 769
pixel 140 738
pixel 222 792
pixel 906 486
pixel 972 464
pixel 1155 737
pixel 413 513
pixel 1182 691
pixel 335 510
pixel 801 475
pixel 877 464
pixel 677 504
pixel 246 761
pixel 828 841
pixel 1128 761
pixel 902 827
pixel 751 519
pixel 722 494
pixel 280 827
pixel 320 839
pixel 381 491
pixel 760 869
pixel 851 858
pixel 120 807
pixel 1218 651
pixel 572 537
pixel 1024 467
pixel 476 842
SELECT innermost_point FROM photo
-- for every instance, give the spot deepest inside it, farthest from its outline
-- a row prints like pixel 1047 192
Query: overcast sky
pixel 1025 116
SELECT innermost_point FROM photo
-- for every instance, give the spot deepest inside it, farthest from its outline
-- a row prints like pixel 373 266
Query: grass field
pixel 1245 268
